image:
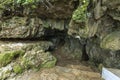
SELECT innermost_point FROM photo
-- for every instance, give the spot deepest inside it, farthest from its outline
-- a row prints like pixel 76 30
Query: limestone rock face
pixel 20 56
pixel 31 30
pixel 18 45
pixel 112 41
pixel 83 31
pixel 98 55
pixel 72 49
pixel 24 27
pixel 100 27
pixel 21 27
pixel 113 8
pixel 110 3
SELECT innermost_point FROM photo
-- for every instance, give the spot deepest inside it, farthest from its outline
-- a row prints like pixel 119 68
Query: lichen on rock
pixel 111 41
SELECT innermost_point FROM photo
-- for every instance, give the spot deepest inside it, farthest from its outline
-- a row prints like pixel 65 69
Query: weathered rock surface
pixel 112 41
pixel 57 9
pixel 101 29
pixel 98 55
pixel 26 28
pixel 83 31
pixel 72 49
pixel 21 27
pixel 96 24
pixel 60 25
pixel 16 57
pixel 73 72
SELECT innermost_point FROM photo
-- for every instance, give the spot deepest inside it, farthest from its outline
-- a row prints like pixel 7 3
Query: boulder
pixel 111 41
pixel 98 55
pixel 20 56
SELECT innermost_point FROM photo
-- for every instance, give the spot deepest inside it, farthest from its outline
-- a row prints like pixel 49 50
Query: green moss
pixel 7 57
pixel 100 67
pixel 17 69
pixel 11 3
pixel 49 64
pixel 80 19
pixel 3 3
pixel 26 63
pixel 79 15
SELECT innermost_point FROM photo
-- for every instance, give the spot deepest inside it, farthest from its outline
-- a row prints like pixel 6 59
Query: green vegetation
pixel 79 14
pixel 4 3
pixel 26 2
pixel 17 69
pixel 26 63
pixel 7 57
pixel 49 64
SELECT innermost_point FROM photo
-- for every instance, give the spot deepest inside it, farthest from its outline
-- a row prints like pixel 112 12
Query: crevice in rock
pixel 85 57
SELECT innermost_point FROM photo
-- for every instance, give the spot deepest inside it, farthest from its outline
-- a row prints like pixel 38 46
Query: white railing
pixel 107 74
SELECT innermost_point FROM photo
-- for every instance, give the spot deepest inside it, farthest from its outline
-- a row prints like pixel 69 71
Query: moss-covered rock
pixel 17 69
pixel 81 24
pixel 9 56
pixel 55 24
pixel 38 59
pixel 85 30
pixel 49 64
pixel 111 41
pixel 71 50
pixel 98 55
pixel 21 56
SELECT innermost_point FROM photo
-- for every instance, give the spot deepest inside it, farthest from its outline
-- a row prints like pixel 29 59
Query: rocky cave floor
pixel 65 69
pixel 68 72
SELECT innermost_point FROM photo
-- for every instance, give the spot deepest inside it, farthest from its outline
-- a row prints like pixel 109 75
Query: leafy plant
pixel 79 15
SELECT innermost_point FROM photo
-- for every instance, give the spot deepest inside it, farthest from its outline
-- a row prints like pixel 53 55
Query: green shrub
pixel 79 15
